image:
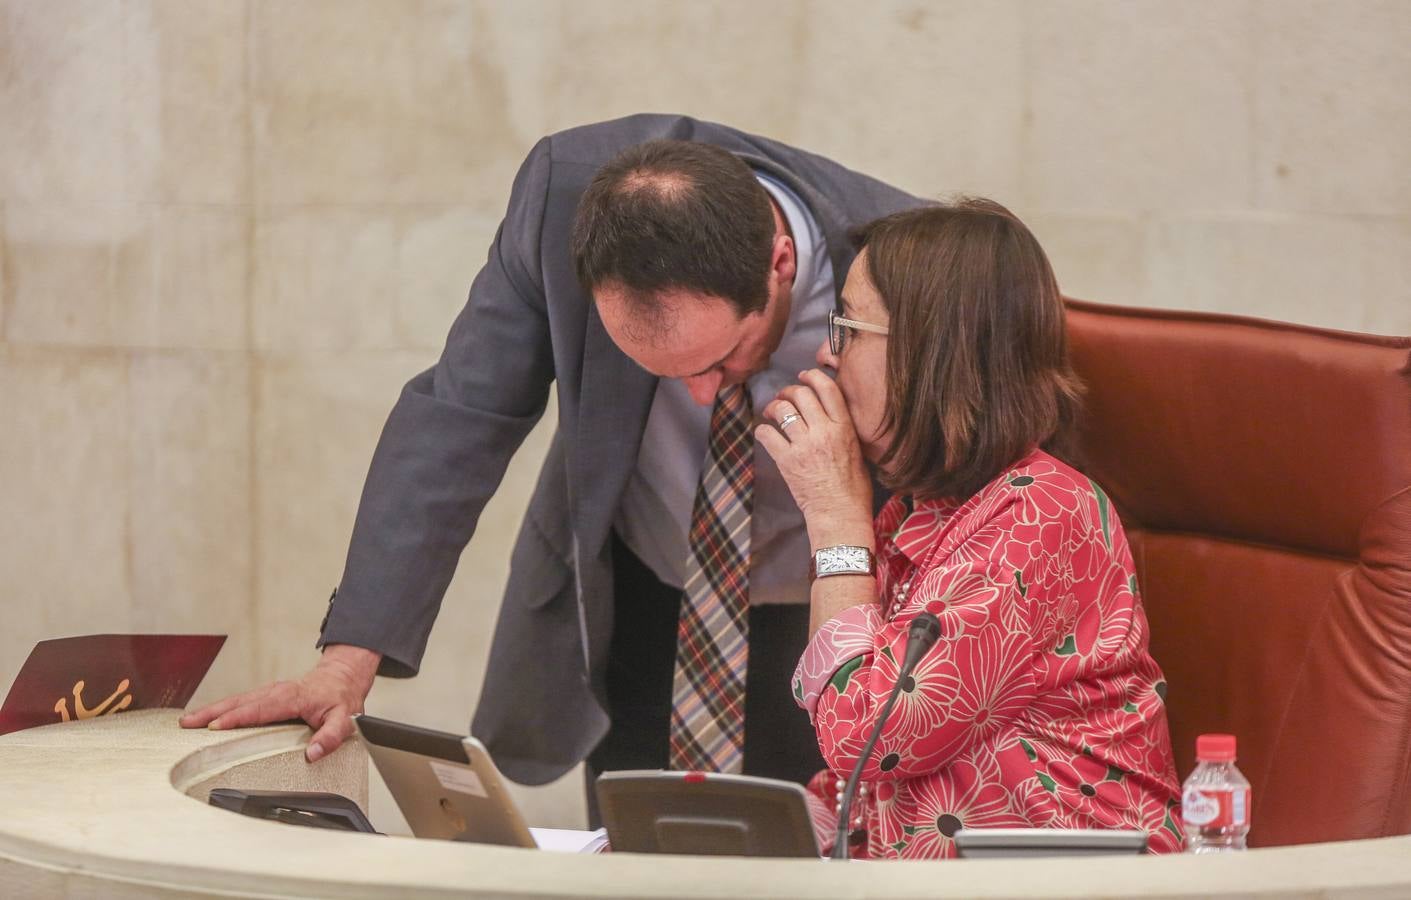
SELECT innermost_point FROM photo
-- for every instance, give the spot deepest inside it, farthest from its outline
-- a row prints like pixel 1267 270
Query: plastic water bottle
pixel 1215 799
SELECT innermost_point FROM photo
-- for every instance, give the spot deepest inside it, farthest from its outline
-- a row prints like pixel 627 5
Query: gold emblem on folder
pixel 106 708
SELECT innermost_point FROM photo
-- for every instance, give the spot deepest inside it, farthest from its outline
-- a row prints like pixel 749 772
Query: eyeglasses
pixel 838 330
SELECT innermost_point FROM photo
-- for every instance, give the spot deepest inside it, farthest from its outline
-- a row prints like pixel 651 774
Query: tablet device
pixel 445 785
pixel 700 814
pixel 992 843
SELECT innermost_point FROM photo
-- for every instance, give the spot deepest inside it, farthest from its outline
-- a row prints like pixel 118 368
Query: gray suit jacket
pixel 528 325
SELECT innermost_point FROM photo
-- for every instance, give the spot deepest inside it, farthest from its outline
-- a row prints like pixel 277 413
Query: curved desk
pixel 114 807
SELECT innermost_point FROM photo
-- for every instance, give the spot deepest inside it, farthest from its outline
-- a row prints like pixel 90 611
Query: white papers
pixel 569 840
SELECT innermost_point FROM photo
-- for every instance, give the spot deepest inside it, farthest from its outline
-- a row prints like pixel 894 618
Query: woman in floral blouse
pixel 1040 706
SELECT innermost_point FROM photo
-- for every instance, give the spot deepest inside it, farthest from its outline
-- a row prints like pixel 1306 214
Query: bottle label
pixel 1215 808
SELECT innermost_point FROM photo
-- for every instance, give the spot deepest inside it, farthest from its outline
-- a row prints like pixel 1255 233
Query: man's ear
pixel 783 261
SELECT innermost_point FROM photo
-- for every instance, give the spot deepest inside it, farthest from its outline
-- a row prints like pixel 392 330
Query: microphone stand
pixel 925 631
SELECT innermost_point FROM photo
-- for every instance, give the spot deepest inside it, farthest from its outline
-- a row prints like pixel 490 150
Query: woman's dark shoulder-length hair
pixel 977 360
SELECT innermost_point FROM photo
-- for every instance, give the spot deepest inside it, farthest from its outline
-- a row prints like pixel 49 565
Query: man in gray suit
pixel 683 271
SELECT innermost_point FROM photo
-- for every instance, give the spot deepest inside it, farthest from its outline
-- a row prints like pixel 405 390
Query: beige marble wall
pixel 126 374
pixel 230 229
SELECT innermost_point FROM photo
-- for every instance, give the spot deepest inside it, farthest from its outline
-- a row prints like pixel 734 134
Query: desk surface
pixel 101 808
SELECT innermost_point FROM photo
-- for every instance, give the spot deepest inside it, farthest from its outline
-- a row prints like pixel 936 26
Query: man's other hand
pixel 326 698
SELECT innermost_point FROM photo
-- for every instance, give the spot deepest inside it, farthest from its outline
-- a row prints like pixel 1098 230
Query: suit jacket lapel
pixel 612 414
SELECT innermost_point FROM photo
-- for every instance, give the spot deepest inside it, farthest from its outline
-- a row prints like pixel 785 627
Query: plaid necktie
pixel 712 646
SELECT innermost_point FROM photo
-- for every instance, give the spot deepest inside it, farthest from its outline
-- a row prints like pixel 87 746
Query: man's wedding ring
pixel 788 420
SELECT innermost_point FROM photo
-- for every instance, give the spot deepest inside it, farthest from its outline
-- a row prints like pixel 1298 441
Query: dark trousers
pixel 779 740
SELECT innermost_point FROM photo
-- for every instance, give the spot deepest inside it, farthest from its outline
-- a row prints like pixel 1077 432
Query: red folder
pixel 76 678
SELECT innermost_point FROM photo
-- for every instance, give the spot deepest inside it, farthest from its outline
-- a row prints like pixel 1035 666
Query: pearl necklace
pixel 859 807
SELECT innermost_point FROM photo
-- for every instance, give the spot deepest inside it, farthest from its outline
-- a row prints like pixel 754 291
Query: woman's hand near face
pixel 820 458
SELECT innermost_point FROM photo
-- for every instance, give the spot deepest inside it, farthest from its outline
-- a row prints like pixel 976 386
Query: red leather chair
pixel 1263 472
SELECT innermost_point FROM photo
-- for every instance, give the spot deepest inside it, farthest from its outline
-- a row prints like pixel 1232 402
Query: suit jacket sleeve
pixel 447 442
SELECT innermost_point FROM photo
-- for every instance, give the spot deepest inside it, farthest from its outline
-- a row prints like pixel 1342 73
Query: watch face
pixel 834 560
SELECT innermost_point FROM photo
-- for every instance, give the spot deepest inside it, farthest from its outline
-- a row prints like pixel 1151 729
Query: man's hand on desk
pixel 325 698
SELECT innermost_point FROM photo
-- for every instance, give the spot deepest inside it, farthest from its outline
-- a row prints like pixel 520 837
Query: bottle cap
pixel 1215 748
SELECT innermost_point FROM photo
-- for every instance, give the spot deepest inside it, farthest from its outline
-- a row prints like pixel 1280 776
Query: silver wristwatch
pixel 843 559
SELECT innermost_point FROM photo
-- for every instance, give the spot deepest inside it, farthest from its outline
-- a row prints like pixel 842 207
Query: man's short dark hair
pixel 676 215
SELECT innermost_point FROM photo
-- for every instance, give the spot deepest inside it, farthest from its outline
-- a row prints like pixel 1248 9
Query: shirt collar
pixel 808 271
pixel 910 524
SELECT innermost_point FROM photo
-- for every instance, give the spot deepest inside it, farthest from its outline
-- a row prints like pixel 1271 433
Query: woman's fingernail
pixel 315 752
pixel 213 725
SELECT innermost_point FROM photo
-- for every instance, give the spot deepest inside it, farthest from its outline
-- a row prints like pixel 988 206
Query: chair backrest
pixel 1263 473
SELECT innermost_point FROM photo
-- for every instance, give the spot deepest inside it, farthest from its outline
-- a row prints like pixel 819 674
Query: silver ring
pixel 788 420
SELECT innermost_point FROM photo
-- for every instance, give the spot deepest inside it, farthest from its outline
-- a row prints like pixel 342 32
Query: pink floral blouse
pixel 1039 706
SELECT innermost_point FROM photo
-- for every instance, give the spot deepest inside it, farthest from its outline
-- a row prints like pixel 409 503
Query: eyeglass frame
pixel 837 323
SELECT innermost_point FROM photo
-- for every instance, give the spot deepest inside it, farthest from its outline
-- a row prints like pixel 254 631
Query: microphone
pixel 925 631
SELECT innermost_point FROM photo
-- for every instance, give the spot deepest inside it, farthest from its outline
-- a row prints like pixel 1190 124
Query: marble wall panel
pixel 191 467
pixel 1095 257
pixel 726 60
pixel 365 278
pixel 928 96
pixel 201 296
pixel 325 278
pixel 61 100
pixel 126 275
pixel 65 540
pixel 4 286
pixel 439 253
pixel 1139 105
pixel 512 48
pixel 186 111
pixel 1335 272
pixel 366 101
pixel 60 270
pixel 1333 106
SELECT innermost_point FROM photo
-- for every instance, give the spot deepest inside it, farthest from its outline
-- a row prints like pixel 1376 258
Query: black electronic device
pixel 314 809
